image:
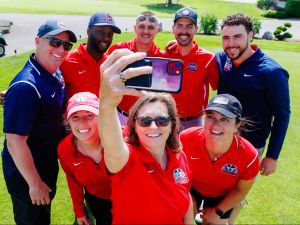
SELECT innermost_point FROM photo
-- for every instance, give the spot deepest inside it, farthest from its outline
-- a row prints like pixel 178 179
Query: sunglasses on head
pixel 142 18
pixel 56 43
pixel 160 121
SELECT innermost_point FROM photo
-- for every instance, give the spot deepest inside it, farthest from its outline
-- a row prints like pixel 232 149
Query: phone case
pixel 166 75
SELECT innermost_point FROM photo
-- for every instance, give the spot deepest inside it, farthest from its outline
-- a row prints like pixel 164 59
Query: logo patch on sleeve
pixel 180 176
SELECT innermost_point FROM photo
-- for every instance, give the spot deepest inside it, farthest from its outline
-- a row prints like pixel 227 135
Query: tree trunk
pixel 170 3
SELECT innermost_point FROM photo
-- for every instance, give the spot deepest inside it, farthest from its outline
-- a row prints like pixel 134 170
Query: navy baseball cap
pixel 104 19
pixel 186 12
pixel 54 27
pixel 225 104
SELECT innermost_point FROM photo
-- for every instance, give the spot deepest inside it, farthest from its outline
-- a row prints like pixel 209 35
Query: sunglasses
pixel 142 18
pixel 160 121
pixel 56 43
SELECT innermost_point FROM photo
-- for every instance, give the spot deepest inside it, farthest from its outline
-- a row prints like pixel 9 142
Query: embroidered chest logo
pixel 192 67
pixel 230 169
pixel 180 176
pixel 228 65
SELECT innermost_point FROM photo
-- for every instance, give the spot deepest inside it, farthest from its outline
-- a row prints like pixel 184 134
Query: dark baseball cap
pixel 54 27
pixel 186 12
pixel 225 104
pixel 104 19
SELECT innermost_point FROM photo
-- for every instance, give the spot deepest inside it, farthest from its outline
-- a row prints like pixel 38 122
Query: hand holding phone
pixel 166 75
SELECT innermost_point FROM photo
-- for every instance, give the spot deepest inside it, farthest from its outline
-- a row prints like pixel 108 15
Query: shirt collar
pixel 41 70
pixel 87 56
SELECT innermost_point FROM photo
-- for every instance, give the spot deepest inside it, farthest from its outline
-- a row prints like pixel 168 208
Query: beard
pixel 185 42
pixel 240 53
pixel 97 46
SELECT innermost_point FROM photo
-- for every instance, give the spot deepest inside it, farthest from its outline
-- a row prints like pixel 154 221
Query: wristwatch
pixel 219 212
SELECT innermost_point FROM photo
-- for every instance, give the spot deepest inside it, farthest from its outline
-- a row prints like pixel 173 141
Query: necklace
pixel 94 154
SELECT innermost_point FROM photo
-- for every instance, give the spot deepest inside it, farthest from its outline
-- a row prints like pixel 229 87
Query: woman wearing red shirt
pixel 224 165
pixel 149 172
pixel 81 157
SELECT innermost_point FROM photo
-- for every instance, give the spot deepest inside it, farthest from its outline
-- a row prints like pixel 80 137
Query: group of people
pixel 136 157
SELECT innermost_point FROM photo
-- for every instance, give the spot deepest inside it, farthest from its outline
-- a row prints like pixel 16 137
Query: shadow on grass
pixel 163 8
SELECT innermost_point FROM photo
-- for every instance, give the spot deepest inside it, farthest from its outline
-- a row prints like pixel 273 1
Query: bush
pixel 209 24
pixel 264 4
pixel 292 8
pixel 257 25
pixel 281 34
pixel 279 14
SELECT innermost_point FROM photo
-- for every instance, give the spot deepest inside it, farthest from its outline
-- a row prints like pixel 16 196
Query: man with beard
pixel 200 69
pixel 81 69
pixel 259 83
pixel 146 28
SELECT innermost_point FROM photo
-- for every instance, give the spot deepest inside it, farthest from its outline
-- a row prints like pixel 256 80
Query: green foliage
pixel 292 8
pixel 281 34
pixel 264 4
pixel 257 25
pixel 209 24
pixel 287 24
pixel 279 14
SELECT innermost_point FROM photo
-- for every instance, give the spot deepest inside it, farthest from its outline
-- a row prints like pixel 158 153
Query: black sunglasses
pixel 56 43
pixel 142 18
pixel 160 121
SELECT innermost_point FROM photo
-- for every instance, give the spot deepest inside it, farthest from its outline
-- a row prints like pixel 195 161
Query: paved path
pixel 22 33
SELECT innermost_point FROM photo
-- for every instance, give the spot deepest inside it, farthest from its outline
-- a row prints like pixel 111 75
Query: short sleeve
pixel 22 103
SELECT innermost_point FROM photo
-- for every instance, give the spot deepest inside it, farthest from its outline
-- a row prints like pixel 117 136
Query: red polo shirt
pixel 144 193
pixel 128 101
pixel 82 172
pixel 200 70
pixel 213 179
pixel 81 72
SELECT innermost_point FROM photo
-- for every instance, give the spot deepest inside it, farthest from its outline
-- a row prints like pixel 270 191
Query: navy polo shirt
pixel 34 105
pixel 261 85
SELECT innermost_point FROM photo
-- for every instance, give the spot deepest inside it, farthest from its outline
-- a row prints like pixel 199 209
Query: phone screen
pixel 166 75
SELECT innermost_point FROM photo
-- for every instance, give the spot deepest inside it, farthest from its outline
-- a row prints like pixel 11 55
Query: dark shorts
pixel 209 202
pixel 101 208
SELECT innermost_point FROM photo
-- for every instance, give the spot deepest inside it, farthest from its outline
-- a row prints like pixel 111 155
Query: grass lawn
pixel 217 7
pixel 273 200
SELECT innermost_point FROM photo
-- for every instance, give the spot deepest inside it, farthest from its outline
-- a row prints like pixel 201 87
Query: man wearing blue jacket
pixel 260 84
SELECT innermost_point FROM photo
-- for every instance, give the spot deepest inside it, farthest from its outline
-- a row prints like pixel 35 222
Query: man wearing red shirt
pixel 200 69
pixel 146 28
pixel 81 69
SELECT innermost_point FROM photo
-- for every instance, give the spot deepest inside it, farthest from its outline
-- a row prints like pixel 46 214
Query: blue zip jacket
pixel 261 85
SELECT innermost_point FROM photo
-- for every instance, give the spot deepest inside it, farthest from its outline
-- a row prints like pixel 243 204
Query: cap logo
pixel 81 98
pixel 108 18
pixel 185 12
pixel 221 100
pixel 61 25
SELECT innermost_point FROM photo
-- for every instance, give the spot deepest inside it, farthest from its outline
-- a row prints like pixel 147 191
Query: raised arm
pixel 112 89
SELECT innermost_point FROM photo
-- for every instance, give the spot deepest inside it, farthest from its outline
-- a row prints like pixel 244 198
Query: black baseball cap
pixel 186 12
pixel 54 27
pixel 225 104
pixel 104 19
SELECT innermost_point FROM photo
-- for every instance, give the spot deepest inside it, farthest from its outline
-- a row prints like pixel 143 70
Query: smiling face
pixel 184 30
pixel 49 57
pixel 218 128
pixel 84 125
pixel 145 32
pixel 236 42
pixel 100 38
pixel 153 138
